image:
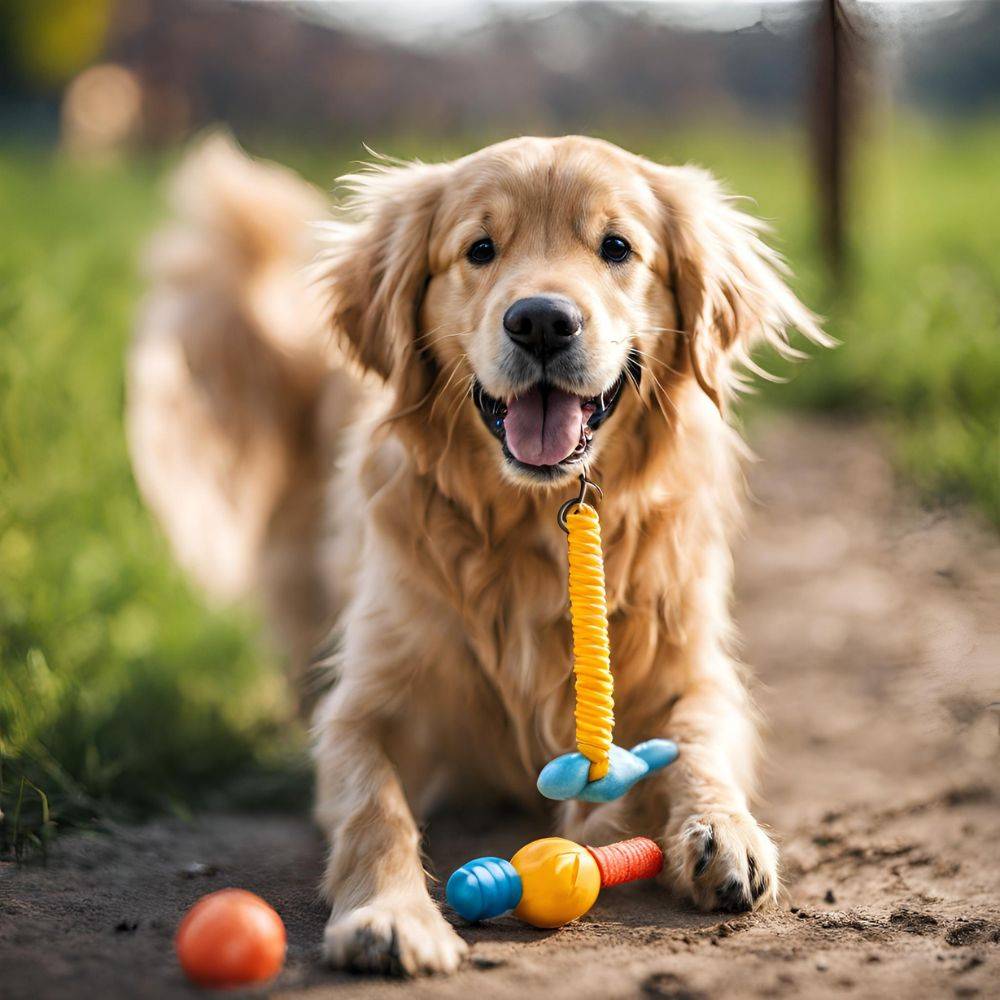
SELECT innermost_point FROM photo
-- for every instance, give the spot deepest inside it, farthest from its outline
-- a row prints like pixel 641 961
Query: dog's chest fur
pixel 490 586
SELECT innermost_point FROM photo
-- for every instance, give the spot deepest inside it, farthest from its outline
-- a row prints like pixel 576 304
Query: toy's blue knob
pixel 568 776
pixel 484 888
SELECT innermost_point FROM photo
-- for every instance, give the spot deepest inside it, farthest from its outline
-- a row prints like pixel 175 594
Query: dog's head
pixel 541 289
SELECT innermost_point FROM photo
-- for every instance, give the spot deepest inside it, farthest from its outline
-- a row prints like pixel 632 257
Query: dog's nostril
pixel 543 324
pixel 516 320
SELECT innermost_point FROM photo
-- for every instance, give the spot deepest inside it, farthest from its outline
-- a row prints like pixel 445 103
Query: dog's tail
pixel 230 384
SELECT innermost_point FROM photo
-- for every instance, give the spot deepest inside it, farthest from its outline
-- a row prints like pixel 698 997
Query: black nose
pixel 543 324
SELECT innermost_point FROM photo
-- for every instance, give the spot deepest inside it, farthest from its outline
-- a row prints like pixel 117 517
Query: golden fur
pixel 351 480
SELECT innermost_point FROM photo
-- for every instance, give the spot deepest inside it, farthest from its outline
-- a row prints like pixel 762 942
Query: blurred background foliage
pixel 121 693
pixel 49 41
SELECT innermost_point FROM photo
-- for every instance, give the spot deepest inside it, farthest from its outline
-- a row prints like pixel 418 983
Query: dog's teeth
pixel 585 434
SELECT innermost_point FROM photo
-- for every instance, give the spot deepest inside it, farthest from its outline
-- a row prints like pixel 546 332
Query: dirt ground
pixel 875 631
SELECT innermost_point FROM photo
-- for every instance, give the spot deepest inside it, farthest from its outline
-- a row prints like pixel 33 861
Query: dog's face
pixel 549 283
pixel 546 275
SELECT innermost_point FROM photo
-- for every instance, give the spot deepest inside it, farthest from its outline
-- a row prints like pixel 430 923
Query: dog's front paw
pixel 393 939
pixel 723 861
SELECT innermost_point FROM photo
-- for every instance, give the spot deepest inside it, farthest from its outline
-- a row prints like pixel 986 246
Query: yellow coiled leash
pixel 595 703
pixel 599 771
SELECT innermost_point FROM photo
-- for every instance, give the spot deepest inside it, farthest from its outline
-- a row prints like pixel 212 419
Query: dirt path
pixel 874 628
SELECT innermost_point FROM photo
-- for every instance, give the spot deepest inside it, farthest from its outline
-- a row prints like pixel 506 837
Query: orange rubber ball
pixel 230 938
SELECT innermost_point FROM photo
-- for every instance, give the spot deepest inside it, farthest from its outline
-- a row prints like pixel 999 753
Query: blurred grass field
pixel 121 693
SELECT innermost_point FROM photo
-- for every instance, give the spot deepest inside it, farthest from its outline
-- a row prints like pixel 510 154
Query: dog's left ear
pixel 730 286
pixel 375 270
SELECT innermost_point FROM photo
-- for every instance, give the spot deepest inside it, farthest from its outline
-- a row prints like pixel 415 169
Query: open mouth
pixel 545 429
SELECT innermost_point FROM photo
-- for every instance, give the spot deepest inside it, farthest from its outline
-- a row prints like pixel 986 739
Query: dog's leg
pixel 716 853
pixel 383 919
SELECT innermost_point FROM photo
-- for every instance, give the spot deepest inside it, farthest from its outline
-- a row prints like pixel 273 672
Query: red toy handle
pixel 628 860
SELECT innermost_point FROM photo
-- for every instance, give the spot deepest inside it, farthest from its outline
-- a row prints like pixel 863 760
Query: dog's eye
pixel 615 249
pixel 481 252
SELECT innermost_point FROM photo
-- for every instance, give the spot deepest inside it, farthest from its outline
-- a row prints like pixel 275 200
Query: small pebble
pixel 198 869
pixel 822 965
pixel 485 962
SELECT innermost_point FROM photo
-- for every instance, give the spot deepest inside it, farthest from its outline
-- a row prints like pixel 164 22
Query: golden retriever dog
pixel 377 444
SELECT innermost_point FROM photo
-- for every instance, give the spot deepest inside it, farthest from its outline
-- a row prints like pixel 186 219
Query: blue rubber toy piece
pixel 567 777
pixel 484 888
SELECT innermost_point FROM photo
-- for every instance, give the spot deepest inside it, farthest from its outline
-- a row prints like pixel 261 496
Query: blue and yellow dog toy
pixel 549 882
pixel 552 881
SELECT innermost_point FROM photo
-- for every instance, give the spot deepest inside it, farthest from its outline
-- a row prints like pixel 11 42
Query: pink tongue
pixel 543 433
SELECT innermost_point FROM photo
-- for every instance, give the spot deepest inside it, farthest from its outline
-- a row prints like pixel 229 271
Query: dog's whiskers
pixel 659 361
pixel 634 382
pixel 444 390
pixel 662 395
pixel 425 337
pixel 456 411
pixel 429 333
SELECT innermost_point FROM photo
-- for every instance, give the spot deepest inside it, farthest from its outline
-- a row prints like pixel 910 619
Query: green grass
pixel 120 690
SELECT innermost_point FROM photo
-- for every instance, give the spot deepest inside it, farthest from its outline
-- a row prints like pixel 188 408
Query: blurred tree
pixel 830 125
pixel 46 41
pixel 839 91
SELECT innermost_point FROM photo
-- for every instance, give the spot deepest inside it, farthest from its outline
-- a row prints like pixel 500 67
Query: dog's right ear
pixel 375 268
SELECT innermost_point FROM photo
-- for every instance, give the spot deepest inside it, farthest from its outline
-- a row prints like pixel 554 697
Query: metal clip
pixel 577 501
